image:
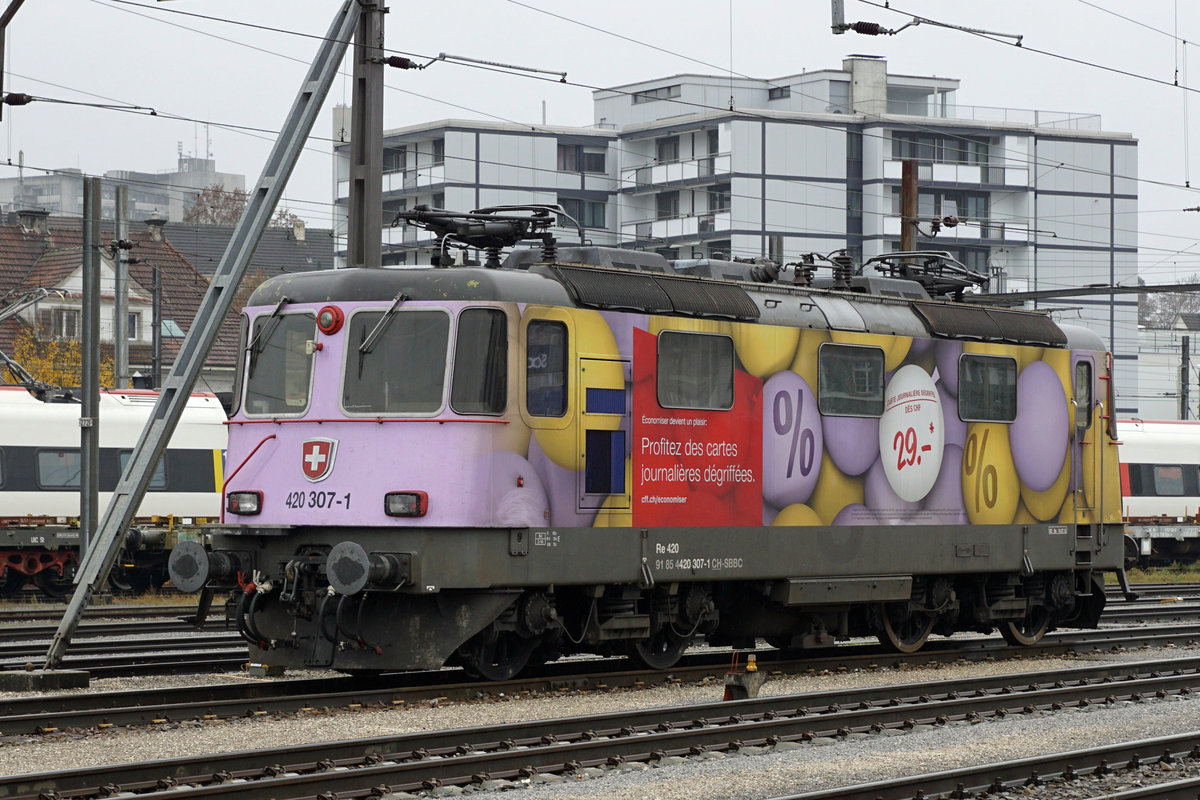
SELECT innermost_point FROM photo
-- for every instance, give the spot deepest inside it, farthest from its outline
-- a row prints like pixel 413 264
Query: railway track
pixel 498 755
pixel 51 713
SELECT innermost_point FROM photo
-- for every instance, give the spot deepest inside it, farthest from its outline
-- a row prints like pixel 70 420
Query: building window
pixel 850 380
pixel 661 93
pixel 439 200
pixel 987 388
pixel 439 151
pixel 575 158
pixel 779 92
pixel 666 205
pixel 395 159
pixel 714 141
pixel 718 198
pixel 667 149
pixel 588 213
pixel 133 321
pixel 939 148
pixel 695 370
pixel 58 323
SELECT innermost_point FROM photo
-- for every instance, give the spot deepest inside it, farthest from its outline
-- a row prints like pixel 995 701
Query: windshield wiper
pixel 382 325
pixel 260 339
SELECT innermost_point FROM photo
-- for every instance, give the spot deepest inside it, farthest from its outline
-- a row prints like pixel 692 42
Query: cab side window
pixel 546 368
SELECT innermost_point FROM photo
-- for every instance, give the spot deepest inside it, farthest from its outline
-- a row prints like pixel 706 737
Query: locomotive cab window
pixel 987 388
pixel 850 380
pixel 278 367
pixel 546 368
pixel 396 362
pixel 480 384
pixel 695 370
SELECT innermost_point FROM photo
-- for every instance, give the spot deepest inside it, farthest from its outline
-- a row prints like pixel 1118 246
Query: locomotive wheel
pixel 903 630
pixel 1028 631
pixel 52 584
pixel 498 658
pixel 661 651
pixel 12 582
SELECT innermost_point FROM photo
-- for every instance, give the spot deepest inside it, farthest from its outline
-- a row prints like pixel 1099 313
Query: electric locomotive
pixel 597 450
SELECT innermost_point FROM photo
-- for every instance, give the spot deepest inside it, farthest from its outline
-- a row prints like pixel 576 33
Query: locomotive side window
pixel 404 371
pixel 279 371
pixel 1083 391
pixel 480 384
pixel 546 368
pixel 58 469
pixel 159 480
pixel 987 388
pixel 850 380
pixel 695 370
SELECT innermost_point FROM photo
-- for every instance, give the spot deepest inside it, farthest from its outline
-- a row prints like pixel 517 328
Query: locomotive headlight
pixel 330 319
pixel 405 504
pixel 244 503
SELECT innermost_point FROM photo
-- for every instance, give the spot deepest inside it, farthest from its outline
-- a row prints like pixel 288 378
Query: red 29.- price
pixel 904 444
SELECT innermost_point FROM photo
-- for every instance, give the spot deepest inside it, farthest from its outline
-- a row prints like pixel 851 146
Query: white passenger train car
pixel 1160 487
pixel 40 465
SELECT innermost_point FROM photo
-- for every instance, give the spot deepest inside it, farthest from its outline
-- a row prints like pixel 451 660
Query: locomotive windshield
pixel 404 372
pixel 279 370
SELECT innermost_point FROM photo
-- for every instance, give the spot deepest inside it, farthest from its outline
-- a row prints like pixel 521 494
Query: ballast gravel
pixel 759 774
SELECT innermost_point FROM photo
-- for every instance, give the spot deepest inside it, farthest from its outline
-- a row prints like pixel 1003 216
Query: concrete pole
pixel 89 418
pixel 1184 368
pixel 365 224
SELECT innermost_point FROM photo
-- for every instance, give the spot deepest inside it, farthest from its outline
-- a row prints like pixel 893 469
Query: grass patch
pixel 1176 573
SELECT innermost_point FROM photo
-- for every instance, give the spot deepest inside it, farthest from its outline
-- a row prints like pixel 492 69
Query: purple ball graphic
pixel 1039 435
pixel 947 364
pixel 919 347
pixel 856 514
pixel 517 495
pixel 562 490
pixel 955 429
pixel 769 514
pixel 792 440
pixel 944 503
pixel 879 496
pixel 852 442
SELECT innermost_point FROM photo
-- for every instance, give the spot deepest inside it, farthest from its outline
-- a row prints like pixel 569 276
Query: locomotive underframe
pixel 592 589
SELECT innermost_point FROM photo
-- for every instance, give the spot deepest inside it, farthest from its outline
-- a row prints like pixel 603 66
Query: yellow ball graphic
pixel 658 324
pixel 805 363
pixel 834 491
pixel 1101 470
pixel 797 514
pixel 1046 505
pixel 1024 356
pixel 990 487
pixel 895 348
pixel 1023 517
pixel 764 349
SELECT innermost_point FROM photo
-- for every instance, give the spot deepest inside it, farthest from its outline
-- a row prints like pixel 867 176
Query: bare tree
pixel 214 205
pixel 1159 310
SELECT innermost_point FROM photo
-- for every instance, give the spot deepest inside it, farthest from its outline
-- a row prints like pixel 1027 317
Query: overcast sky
pixel 140 53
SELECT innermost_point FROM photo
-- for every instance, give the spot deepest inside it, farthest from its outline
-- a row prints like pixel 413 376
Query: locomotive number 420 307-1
pixel 316 499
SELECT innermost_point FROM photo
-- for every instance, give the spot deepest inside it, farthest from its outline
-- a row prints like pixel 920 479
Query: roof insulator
pixel 869 28
pixel 17 99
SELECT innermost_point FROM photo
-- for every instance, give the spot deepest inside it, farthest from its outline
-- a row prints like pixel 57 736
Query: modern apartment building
pixel 698 166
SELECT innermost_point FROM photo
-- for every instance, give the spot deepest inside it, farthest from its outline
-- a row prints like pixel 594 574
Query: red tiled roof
pixel 29 260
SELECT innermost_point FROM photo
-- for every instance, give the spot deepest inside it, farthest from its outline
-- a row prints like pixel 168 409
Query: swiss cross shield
pixel 317 458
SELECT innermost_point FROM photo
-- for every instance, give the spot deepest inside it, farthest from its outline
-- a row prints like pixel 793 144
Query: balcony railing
pixel 1065 120
pixel 690 169
pixel 941 172
pixel 673 227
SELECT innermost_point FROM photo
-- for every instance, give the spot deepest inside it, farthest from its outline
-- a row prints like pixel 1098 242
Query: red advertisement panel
pixel 694 467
